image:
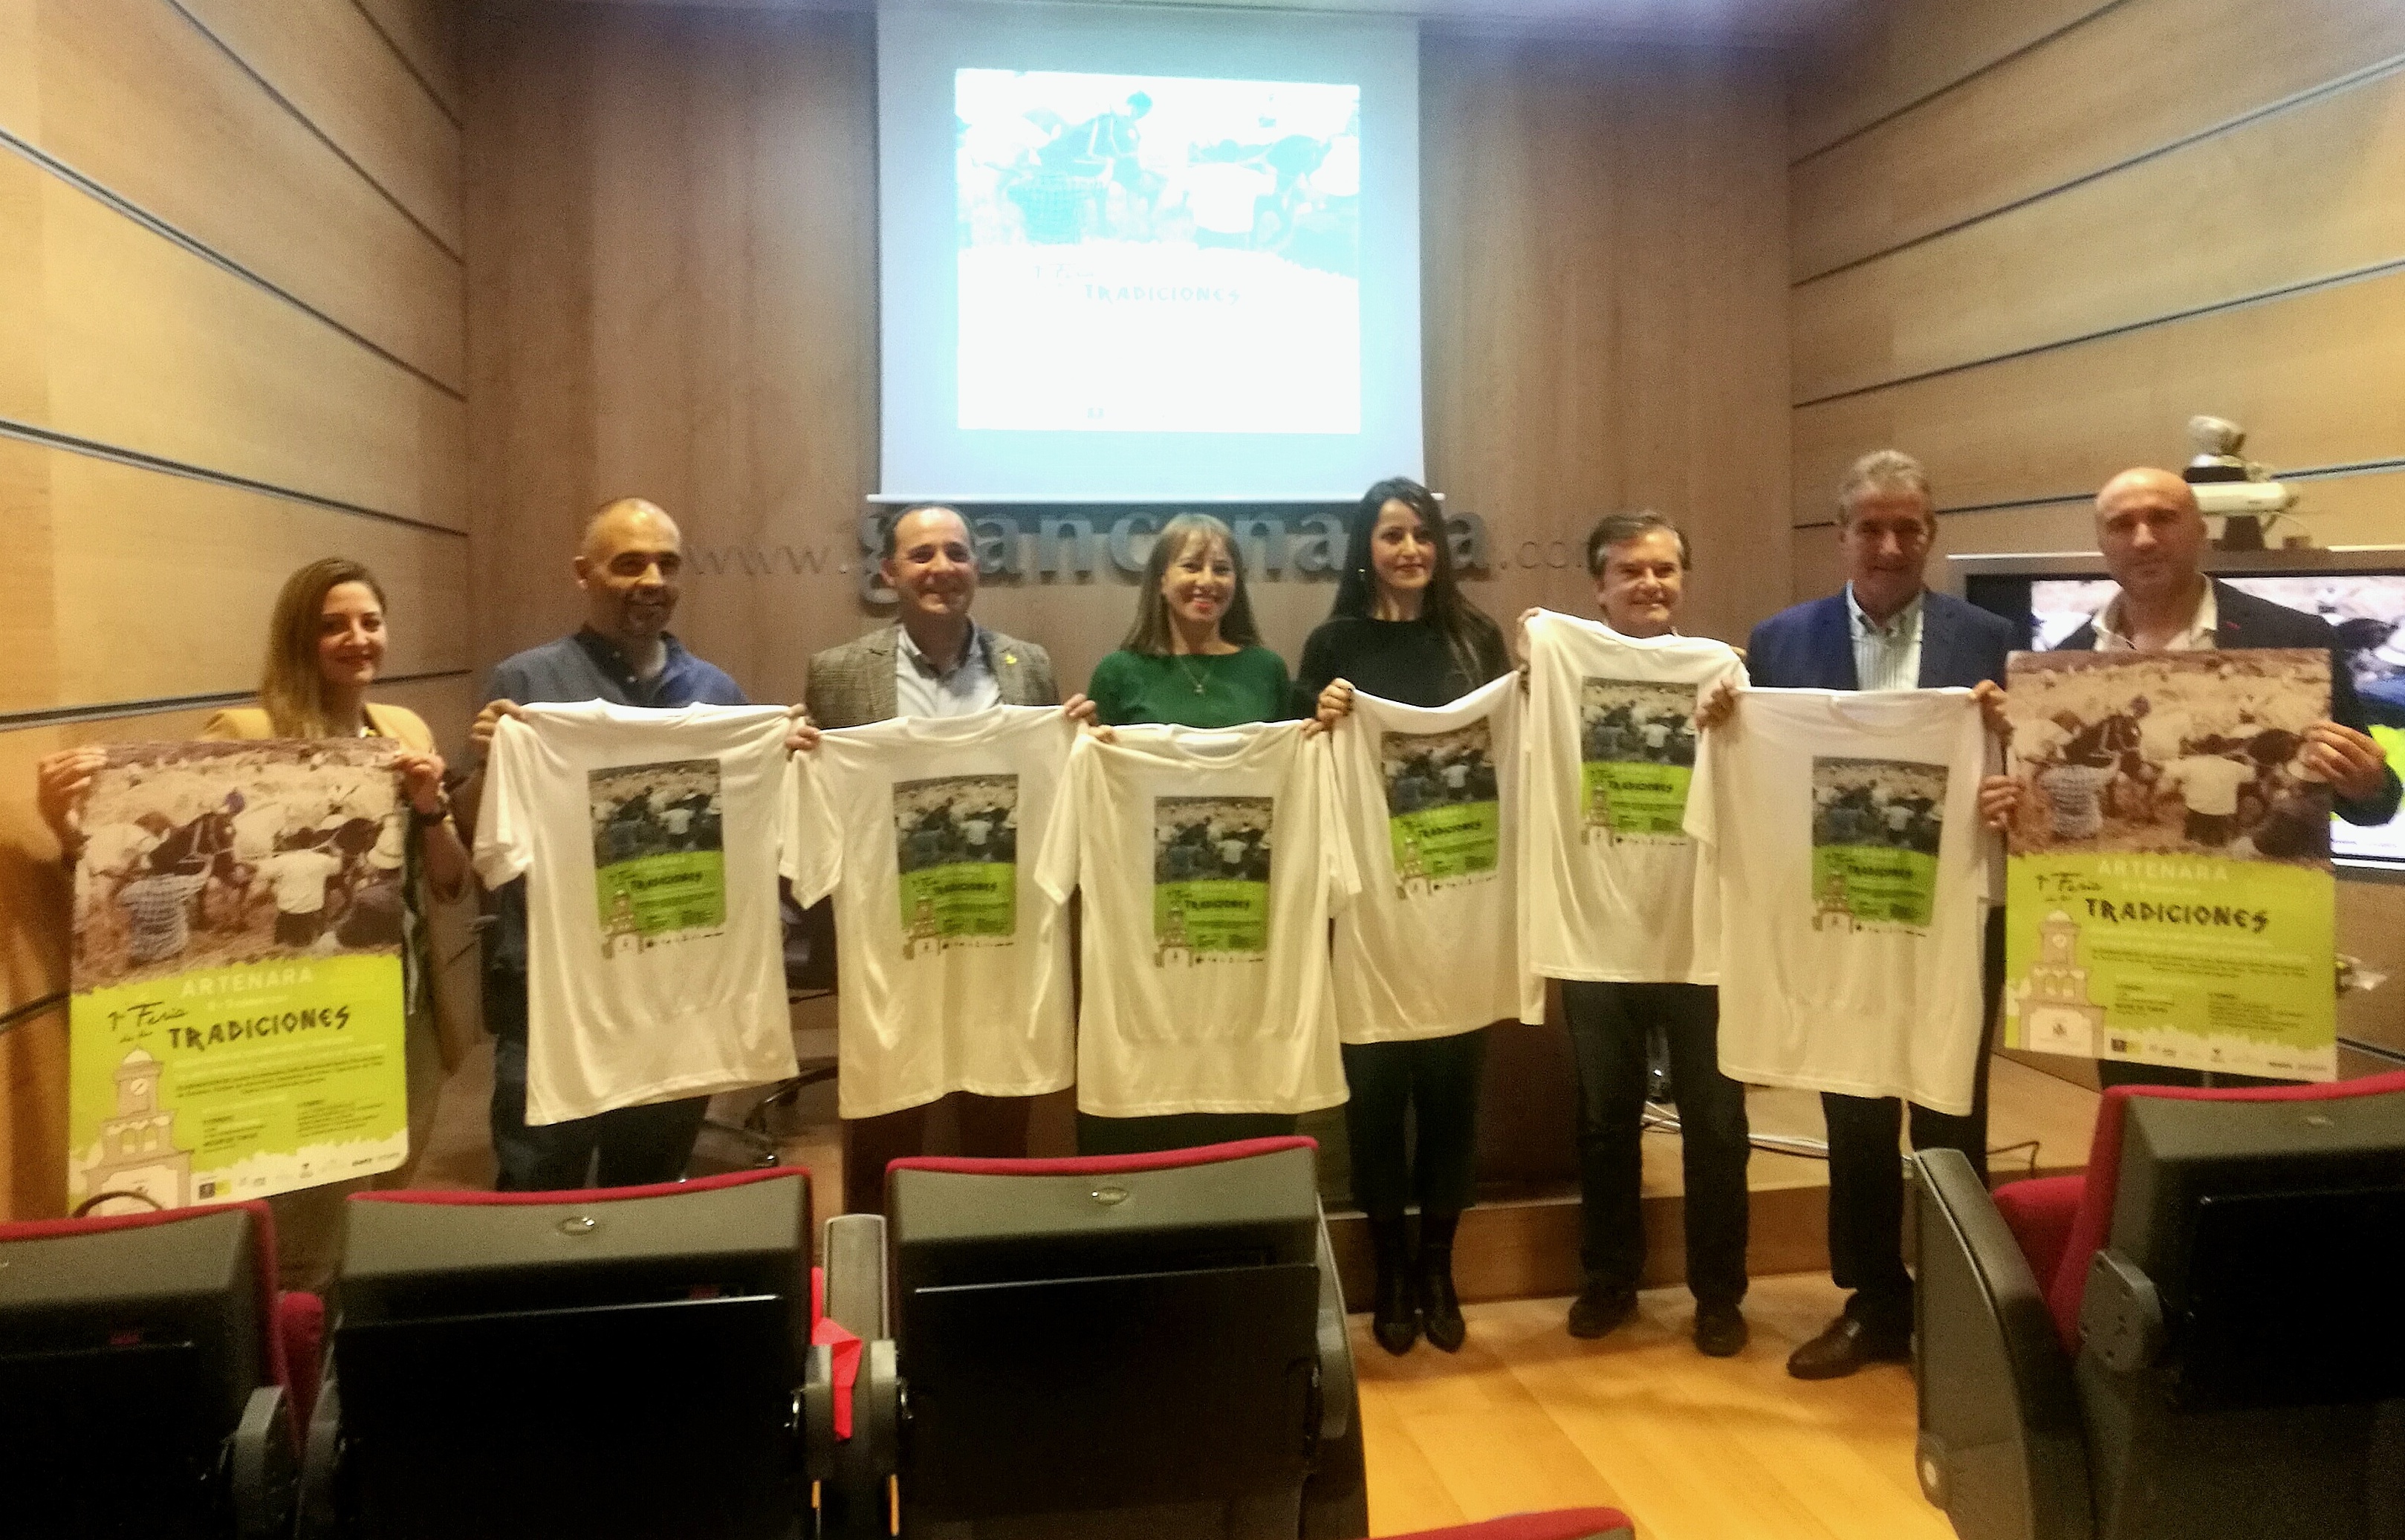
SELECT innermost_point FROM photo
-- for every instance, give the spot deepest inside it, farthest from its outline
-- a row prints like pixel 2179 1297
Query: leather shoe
pixel 1599 1308
pixel 1395 1315
pixel 1721 1331
pixel 1846 1345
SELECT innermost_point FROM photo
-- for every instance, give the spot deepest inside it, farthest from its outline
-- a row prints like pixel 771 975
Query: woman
pixel 1401 629
pixel 325 642
pixel 1194 657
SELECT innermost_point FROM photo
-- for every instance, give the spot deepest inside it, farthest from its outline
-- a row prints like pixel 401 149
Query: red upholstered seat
pixel 1564 1524
pixel 296 1375
pixel 580 1194
pixel 1159 1160
pixel 2061 1222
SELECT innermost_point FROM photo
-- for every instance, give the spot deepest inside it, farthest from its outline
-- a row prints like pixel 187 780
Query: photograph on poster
pixel 217 854
pixel 2194 753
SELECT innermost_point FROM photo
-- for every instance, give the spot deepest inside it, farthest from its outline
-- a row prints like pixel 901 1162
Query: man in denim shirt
pixel 629 568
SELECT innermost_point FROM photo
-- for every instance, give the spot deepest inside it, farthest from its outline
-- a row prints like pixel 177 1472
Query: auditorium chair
pixel 2199 1336
pixel 1131 1346
pixel 1562 1524
pixel 145 1383
pixel 618 1363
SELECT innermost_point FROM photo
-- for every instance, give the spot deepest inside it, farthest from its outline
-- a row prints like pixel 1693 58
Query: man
pixel 1638 561
pixel 1884 631
pixel 933 660
pixel 630 565
pixel 2152 535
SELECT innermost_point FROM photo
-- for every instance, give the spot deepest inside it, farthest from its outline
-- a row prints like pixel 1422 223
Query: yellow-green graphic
pixel 236 1023
pixel 1636 753
pixel 659 860
pixel 1875 828
pixel 956 846
pixel 2169 894
pixel 1443 823
pixel 1210 878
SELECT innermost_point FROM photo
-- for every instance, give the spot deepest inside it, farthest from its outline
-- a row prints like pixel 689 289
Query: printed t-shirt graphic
pixel 955 964
pixel 1853 875
pixel 1432 800
pixel 1612 888
pixel 1211 862
pixel 649 842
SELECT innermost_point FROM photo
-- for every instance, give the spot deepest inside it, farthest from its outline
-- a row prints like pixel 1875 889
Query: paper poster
pixel 237 1020
pixel 1443 821
pixel 1636 753
pixel 1211 878
pixel 956 846
pixel 2169 893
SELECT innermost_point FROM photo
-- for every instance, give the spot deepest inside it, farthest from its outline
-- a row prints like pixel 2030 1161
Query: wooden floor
pixel 1525 1417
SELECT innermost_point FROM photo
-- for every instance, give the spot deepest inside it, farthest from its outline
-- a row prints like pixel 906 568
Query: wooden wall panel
pixel 146 567
pixel 2304 194
pixel 426 33
pixel 327 59
pixel 1888 59
pixel 2137 76
pixel 2317 379
pixel 131 340
pixel 137 98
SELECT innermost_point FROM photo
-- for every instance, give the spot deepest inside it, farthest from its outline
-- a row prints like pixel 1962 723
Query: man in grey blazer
pixel 933 660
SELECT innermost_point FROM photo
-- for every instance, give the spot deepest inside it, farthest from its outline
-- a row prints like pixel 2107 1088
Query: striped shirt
pixel 1887 656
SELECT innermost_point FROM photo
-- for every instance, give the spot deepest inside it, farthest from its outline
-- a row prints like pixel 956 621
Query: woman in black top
pixel 1401 629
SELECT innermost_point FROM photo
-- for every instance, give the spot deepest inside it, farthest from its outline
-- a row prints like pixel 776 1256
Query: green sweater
pixel 1190 690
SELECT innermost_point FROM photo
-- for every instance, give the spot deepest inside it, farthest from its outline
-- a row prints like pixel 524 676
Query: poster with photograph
pixel 1636 753
pixel 1211 879
pixel 1444 822
pixel 956 846
pixel 237 1018
pixel 2169 893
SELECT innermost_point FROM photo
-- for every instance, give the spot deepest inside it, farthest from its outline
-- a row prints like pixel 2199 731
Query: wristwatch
pixel 427 820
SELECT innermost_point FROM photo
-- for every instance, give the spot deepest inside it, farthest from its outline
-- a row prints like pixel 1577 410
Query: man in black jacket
pixel 2152 535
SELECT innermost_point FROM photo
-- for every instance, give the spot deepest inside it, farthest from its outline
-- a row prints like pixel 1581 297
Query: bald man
pixel 629 565
pixel 2153 538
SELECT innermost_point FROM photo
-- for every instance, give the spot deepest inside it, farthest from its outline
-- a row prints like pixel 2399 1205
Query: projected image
pixel 2367 610
pixel 1156 254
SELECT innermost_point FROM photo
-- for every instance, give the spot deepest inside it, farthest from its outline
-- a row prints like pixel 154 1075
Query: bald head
pixel 2152 535
pixel 628 565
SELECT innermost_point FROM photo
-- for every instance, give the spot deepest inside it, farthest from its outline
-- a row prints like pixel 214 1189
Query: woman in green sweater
pixel 1194 657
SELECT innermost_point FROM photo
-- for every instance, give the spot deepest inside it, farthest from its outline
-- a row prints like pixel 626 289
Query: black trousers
pixel 1866 1171
pixel 1608 1025
pixel 1108 1136
pixel 629 1147
pixel 1436 1080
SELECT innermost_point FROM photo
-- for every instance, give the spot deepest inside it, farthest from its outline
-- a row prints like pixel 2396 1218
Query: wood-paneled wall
pixel 2029 239
pixel 671 227
pixel 233 339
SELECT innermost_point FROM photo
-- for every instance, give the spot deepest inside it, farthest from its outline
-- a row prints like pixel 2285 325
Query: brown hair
pixel 294 687
pixel 1150 635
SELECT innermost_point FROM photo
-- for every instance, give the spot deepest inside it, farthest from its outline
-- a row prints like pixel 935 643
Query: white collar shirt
pixel 2201 634
pixel 1887 654
pixel 923 690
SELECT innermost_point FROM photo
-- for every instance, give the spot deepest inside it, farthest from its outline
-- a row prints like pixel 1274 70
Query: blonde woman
pixel 326 643
pixel 1194 657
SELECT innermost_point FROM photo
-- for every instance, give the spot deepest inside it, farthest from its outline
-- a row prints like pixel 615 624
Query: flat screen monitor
pixel 2359 590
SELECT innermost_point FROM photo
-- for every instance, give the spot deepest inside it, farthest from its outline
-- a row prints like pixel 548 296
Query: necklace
pixel 1198 681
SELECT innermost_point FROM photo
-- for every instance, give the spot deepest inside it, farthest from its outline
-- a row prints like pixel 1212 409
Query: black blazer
pixel 2245 621
pixel 1810 646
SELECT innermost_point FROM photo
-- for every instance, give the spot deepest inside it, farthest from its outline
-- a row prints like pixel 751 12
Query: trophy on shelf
pixel 2226 483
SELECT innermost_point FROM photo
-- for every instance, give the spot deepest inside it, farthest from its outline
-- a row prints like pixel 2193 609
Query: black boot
pixel 1394 1314
pixel 1439 1305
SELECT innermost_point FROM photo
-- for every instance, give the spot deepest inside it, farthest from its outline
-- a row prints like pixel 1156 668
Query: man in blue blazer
pixel 1885 630
pixel 2152 536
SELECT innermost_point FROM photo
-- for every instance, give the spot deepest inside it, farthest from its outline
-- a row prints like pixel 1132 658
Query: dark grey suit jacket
pixel 853 685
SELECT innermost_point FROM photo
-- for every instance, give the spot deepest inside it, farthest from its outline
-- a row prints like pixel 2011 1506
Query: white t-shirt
pixel 955 964
pixel 1612 888
pixel 1431 800
pixel 2208 783
pixel 299 878
pixel 1850 947
pixel 1211 862
pixel 654 960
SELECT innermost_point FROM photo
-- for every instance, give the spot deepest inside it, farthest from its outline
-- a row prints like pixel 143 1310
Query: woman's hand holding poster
pixel 2169 895
pixel 236 1027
